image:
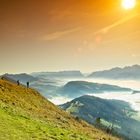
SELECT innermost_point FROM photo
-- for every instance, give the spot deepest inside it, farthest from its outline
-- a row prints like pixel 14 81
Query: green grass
pixel 26 115
pixel 18 127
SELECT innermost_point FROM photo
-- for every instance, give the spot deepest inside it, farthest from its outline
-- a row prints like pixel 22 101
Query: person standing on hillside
pixel 28 84
pixel 18 83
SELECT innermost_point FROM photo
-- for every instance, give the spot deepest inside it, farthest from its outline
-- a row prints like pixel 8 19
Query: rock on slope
pixel 25 114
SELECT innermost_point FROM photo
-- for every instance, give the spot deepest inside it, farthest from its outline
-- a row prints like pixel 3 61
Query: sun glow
pixel 128 4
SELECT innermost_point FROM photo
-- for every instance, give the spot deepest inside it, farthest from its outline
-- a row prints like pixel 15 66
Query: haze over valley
pixel 67 88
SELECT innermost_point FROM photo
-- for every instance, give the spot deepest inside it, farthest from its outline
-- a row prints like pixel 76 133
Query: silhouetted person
pixel 27 84
pixel 108 130
pixel 18 83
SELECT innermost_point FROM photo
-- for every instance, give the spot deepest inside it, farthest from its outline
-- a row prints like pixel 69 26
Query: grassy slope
pixel 25 114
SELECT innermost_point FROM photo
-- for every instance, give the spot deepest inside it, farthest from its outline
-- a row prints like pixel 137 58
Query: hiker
pixel 108 130
pixel 18 83
pixel 27 84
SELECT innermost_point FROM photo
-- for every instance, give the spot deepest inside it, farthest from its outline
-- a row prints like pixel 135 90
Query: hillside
pixel 130 72
pixel 75 89
pixel 112 112
pixel 25 114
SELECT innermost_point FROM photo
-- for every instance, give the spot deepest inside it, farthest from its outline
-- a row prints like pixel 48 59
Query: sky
pixel 53 35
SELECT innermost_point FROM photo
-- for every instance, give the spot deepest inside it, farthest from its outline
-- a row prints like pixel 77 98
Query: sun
pixel 128 4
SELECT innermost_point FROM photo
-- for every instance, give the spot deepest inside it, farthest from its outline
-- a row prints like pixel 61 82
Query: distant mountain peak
pixel 59 74
pixel 128 72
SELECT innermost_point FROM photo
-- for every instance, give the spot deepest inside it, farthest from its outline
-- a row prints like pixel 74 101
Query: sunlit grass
pixel 26 115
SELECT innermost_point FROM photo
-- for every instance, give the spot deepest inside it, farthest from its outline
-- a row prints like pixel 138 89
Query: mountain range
pixel 22 104
pixel 60 74
pixel 129 72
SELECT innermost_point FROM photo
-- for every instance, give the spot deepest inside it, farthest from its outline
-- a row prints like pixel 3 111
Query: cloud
pixel 60 100
pixel 59 34
pixel 117 23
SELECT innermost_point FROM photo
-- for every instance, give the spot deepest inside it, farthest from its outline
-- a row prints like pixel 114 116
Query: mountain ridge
pixel 59 74
pixel 79 88
pixel 128 72
pixel 111 112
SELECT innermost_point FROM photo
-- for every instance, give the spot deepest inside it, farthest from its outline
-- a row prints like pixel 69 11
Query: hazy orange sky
pixel 52 35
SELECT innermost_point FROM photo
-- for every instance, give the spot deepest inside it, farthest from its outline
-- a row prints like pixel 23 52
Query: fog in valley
pixel 133 99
